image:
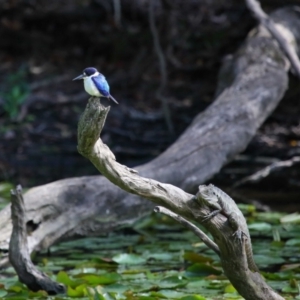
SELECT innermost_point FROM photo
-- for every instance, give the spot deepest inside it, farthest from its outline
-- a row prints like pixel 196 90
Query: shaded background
pixel 44 44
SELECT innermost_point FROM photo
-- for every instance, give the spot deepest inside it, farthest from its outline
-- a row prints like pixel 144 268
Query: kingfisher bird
pixel 95 83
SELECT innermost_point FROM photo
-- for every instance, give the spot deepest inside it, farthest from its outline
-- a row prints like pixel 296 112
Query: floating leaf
pixel 233 297
pixel 129 259
pixel 79 291
pixel 260 226
pixel 15 288
pixel 246 208
pixel 40 294
pixel 3 293
pixel 116 288
pixel 230 289
pixel 101 279
pixel 269 217
pixel 291 218
pixel 193 297
pixel 202 270
pixel 63 277
pixel 267 259
pixel 278 244
pixel 290 267
pixel 171 294
pixel 276 276
pixel 161 256
pixel 172 282
pixel 5 188
pixel 99 294
pixel 289 289
pixel 195 257
pixel 293 242
pixel 158 295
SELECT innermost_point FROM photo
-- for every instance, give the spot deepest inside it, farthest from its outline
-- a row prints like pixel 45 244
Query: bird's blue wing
pixel 102 85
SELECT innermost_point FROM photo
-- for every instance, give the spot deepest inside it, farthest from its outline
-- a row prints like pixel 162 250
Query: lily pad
pixel 200 269
pixel 129 259
pixel 193 297
pixel 107 278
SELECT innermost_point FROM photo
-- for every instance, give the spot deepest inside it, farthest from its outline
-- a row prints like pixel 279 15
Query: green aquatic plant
pixel 14 91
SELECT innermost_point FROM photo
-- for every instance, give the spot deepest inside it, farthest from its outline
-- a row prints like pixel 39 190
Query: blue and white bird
pixel 95 83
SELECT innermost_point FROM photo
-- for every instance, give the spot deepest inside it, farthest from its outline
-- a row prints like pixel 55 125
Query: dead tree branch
pixel 261 174
pixel 18 251
pixel 90 146
pixel 277 31
pixel 199 233
pixel 236 254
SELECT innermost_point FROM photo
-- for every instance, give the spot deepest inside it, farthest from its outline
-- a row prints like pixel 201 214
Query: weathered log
pixel 258 80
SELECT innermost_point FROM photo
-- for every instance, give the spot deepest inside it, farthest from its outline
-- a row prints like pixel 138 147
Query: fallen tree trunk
pixel 258 80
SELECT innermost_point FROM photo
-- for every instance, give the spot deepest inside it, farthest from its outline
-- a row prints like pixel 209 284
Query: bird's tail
pixel 113 99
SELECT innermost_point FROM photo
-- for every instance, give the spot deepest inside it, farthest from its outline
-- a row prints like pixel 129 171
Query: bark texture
pixel 251 84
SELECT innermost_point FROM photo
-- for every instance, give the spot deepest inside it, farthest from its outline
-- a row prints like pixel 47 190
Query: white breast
pixel 90 87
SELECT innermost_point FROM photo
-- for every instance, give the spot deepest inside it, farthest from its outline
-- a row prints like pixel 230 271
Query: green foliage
pixel 5 188
pixel 129 259
pixel 161 260
pixel 14 91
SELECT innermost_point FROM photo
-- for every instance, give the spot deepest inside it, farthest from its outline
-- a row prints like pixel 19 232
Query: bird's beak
pixel 78 77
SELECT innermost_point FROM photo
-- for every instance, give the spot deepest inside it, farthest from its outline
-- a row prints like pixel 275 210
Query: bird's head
pixel 87 72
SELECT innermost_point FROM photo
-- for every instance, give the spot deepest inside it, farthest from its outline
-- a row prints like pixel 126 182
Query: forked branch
pixel 235 254
pixel 277 32
pixel 199 233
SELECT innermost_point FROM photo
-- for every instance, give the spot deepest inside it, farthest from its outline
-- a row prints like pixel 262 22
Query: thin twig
pixel 267 170
pixel 255 7
pixel 162 67
pixel 117 12
pixel 198 232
